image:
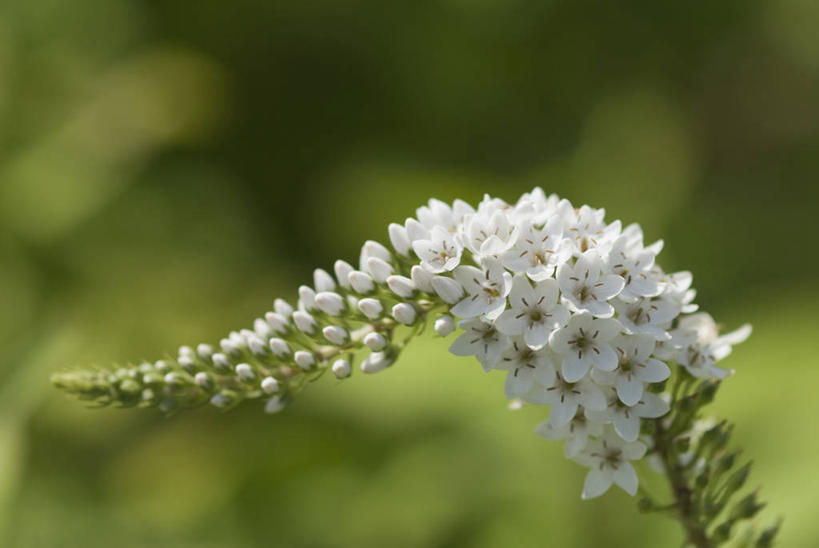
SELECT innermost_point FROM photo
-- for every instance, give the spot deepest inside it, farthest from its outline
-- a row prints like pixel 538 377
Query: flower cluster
pixel 574 309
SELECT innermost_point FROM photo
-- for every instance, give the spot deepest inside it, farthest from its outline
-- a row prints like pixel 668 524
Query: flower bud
pixel 377 361
pixel 343 270
pixel 401 286
pixel 229 347
pixel 256 345
pixel 422 279
pixel 375 341
pixel 162 366
pixel 270 385
pixel 404 313
pixel 282 307
pixel 399 239
pixel 279 347
pixel 275 404
pixel 203 380
pixel 361 282
pixel 371 308
pixel 307 297
pixel 342 369
pixel 277 322
pixel 416 231
pixel 448 289
pixel 372 248
pixel 262 328
pixel 323 281
pixel 304 321
pixel 224 399
pixel 220 362
pixel 186 351
pixel 186 363
pixel 379 269
pixel 205 351
pixel 330 303
pixel 245 372
pixel 304 359
pixel 444 325
pixel 335 334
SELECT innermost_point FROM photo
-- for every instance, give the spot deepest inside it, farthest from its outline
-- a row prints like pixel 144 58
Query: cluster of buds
pixel 574 309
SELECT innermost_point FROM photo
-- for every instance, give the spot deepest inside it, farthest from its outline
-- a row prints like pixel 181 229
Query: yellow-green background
pixel 169 167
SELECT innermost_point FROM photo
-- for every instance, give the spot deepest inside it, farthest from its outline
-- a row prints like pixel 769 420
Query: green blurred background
pixel 168 167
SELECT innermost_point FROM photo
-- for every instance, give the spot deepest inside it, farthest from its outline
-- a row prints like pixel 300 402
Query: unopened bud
pixel 342 369
pixel 375 341
pixel 404 313
pixel 444 325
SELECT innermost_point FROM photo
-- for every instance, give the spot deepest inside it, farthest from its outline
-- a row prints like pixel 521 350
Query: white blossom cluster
pixel 573 308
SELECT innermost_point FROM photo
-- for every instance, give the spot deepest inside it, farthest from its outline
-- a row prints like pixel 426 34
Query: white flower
pixel 576 432
pixel 609 459
pixel 565 398
pixel 482 340
pixel 440 253
pixel 525 367
pixel 534 312
pixel 487 290
pixel 583 342
pixel 538 251
pixel 707 347
pixel 489 232
pixel 633 263
pixel 588 230
pixel 650 316
pixel 626 419
pixel 635 368
pixel 587 287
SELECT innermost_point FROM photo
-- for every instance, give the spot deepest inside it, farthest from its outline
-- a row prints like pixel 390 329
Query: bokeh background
pixel 168 167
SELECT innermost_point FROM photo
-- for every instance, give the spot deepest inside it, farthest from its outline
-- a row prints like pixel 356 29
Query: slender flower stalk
pixel 573 309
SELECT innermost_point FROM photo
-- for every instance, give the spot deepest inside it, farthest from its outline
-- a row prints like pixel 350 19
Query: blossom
pixel 583 342
pixel 565 398
pixel 534 311
pixel 526 366
pixel 574 309
pixel 440 253
pixel 587 287
pixel 635 368
pixel 538 250
pixel 626 418
pixel 487 290
pixel 480 339
pixel 609 459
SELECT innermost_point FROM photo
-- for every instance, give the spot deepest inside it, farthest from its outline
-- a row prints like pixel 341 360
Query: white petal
pixel 634 450
pixel 653 371
pixel 611 286
pixel 509 324
pixel 465 344
pixel 626 477
pixel 521 293
pixel 629 391
pixel 575 368
pixel 518 382
pixel 651 406
pixel 627 428
pixel 597 482
pixel 605 358
pixel 536 335
pixel 592 397
pixel 469 308
pixel 560 414
pixel 469 277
